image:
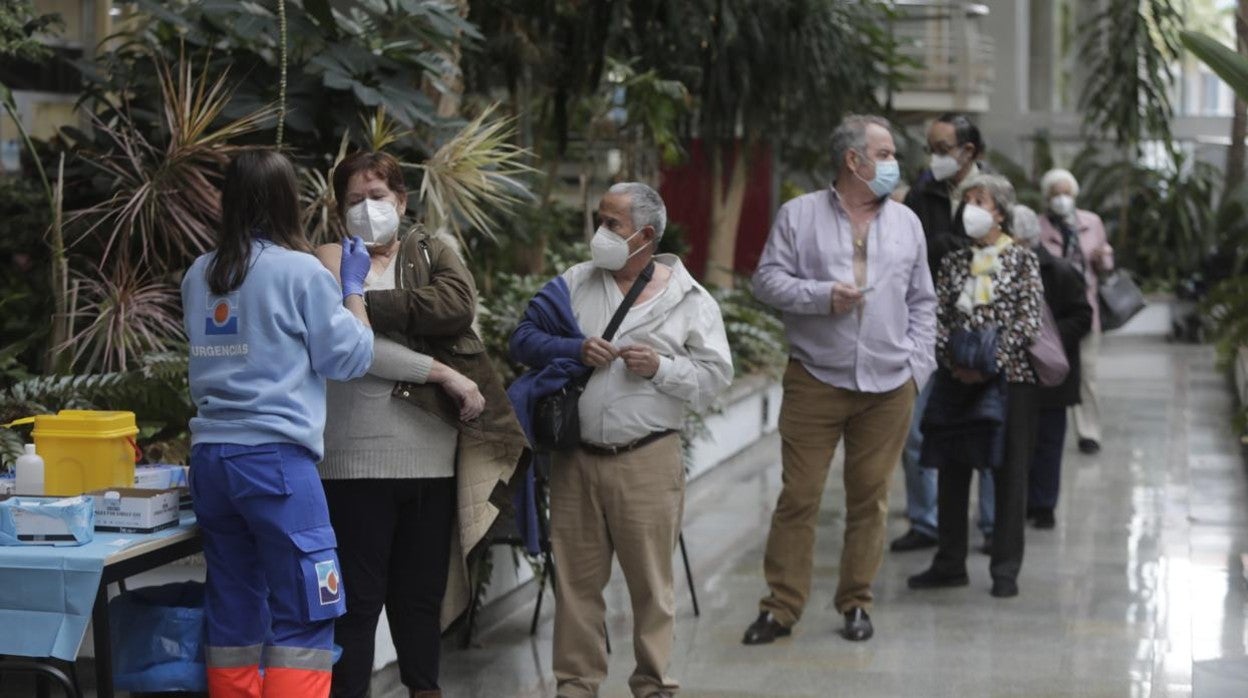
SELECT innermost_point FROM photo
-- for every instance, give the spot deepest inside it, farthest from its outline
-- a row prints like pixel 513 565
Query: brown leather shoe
pixel 765 630
pixel 436 693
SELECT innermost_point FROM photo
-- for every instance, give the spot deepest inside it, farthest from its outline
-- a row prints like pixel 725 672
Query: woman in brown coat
pixel 419 452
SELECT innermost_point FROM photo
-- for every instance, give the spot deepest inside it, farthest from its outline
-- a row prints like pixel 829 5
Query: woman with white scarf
pixel 1078 236
pixel 991 288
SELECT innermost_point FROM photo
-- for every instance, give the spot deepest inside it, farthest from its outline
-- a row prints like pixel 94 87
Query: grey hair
pixel 645 206
pixel 1055 176
pixel 1001 191
pixel 851 135
pixel 1026 225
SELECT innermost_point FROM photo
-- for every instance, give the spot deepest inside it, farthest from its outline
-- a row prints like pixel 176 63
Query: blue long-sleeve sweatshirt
pixel 260 355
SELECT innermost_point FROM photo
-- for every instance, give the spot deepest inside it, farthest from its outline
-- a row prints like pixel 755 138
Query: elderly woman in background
pixel 1065 293
pixel 982 412
pixel 416 452
pixel 1078 236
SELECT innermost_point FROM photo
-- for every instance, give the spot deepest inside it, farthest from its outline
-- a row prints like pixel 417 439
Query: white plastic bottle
pixel 30 472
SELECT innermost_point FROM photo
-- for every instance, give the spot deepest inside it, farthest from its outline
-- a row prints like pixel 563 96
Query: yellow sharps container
pixel 85 450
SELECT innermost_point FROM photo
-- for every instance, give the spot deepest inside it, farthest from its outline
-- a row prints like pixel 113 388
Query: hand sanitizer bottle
pixel 29 472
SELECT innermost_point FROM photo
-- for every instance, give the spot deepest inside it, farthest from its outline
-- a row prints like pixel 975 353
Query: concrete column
pixel 1045 60
pixel 1008 24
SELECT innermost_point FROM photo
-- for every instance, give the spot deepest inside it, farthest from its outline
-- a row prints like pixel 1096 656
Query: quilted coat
pixel 432 310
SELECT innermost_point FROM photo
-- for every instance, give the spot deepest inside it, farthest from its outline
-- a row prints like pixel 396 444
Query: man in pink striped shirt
pixel 847 268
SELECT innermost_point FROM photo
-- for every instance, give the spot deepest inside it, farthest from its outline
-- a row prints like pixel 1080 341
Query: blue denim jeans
pixel 921 482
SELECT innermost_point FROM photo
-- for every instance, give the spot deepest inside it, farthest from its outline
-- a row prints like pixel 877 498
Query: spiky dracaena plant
pixel 166 197
pixel 316 197
pixel 127 314
pixel 472 176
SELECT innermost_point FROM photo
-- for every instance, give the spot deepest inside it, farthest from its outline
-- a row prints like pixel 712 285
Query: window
pixel 1210 94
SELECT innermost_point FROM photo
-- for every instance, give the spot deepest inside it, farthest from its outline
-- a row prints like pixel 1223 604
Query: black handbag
pixel 1120 300
pixel 556 417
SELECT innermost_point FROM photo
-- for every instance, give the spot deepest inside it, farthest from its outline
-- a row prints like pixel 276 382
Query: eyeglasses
pixel 940 149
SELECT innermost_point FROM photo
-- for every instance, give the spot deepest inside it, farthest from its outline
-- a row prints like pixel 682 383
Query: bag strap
pixel 629 298
pixel 618 318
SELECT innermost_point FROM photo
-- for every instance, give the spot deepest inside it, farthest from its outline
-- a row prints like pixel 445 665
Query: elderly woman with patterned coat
pixel 982 412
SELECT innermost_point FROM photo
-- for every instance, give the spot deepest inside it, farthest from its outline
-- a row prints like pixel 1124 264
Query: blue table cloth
pixel 47 593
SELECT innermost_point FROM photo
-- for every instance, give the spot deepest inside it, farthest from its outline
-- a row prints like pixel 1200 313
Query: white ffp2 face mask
pixel 977 221
pixel 944 166
pixel 376 221
pixel 610 251
pixel 1062 204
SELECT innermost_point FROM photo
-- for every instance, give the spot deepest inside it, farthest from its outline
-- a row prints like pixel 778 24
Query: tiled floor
pixel 1139 592
pixel 1136 593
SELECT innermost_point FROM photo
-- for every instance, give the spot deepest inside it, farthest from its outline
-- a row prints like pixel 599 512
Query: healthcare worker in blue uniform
pixel 267 326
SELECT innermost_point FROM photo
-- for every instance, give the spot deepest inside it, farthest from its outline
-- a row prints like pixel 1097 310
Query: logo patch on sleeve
pixel 222 315
pixel 328 583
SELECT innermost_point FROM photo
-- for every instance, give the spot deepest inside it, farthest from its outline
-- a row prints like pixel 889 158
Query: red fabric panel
pixel 686 189
pixel 756 214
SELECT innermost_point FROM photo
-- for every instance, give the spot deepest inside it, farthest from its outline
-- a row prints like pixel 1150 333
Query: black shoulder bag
pixel 556 419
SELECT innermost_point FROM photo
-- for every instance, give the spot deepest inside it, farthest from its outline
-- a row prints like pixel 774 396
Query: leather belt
pixel 625 448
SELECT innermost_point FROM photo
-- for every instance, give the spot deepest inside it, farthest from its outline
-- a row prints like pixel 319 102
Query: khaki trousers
pixel 1088 413
pixel 630 505
pixel 813 418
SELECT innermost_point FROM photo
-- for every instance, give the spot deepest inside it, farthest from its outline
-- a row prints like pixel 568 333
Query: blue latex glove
pixel 354 267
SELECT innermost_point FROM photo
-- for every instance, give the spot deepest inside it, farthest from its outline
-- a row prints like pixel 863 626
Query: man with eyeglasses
pixel 955 148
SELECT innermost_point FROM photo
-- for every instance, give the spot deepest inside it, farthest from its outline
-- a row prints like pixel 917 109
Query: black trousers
pixel 953 486
pixel 1046 464
pixel 394 542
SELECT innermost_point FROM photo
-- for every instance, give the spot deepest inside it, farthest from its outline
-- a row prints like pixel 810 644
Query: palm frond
pixel 474 175
pixel 381 131
pixel 316 195
pixel 166 197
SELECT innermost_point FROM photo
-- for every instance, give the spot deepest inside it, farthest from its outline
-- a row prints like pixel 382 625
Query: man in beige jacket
pixel 622 492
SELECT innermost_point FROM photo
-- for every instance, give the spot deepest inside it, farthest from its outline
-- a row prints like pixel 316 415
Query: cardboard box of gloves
pixel 135 510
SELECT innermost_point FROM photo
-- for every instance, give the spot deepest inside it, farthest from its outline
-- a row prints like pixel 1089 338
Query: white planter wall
pixel 750 412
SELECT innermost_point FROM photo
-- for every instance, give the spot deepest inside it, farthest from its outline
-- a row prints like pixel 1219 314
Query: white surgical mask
pixel 376 221
pixel 1062 204
pixel 944 167
pixel 977 221
pixel 610 251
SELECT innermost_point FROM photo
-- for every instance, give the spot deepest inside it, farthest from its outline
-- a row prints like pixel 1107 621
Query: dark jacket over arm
pixel 929 200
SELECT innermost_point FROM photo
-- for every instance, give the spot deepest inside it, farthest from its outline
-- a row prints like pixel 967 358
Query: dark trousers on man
pixel 394 543
pixel 954 496
pixel 1046 465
